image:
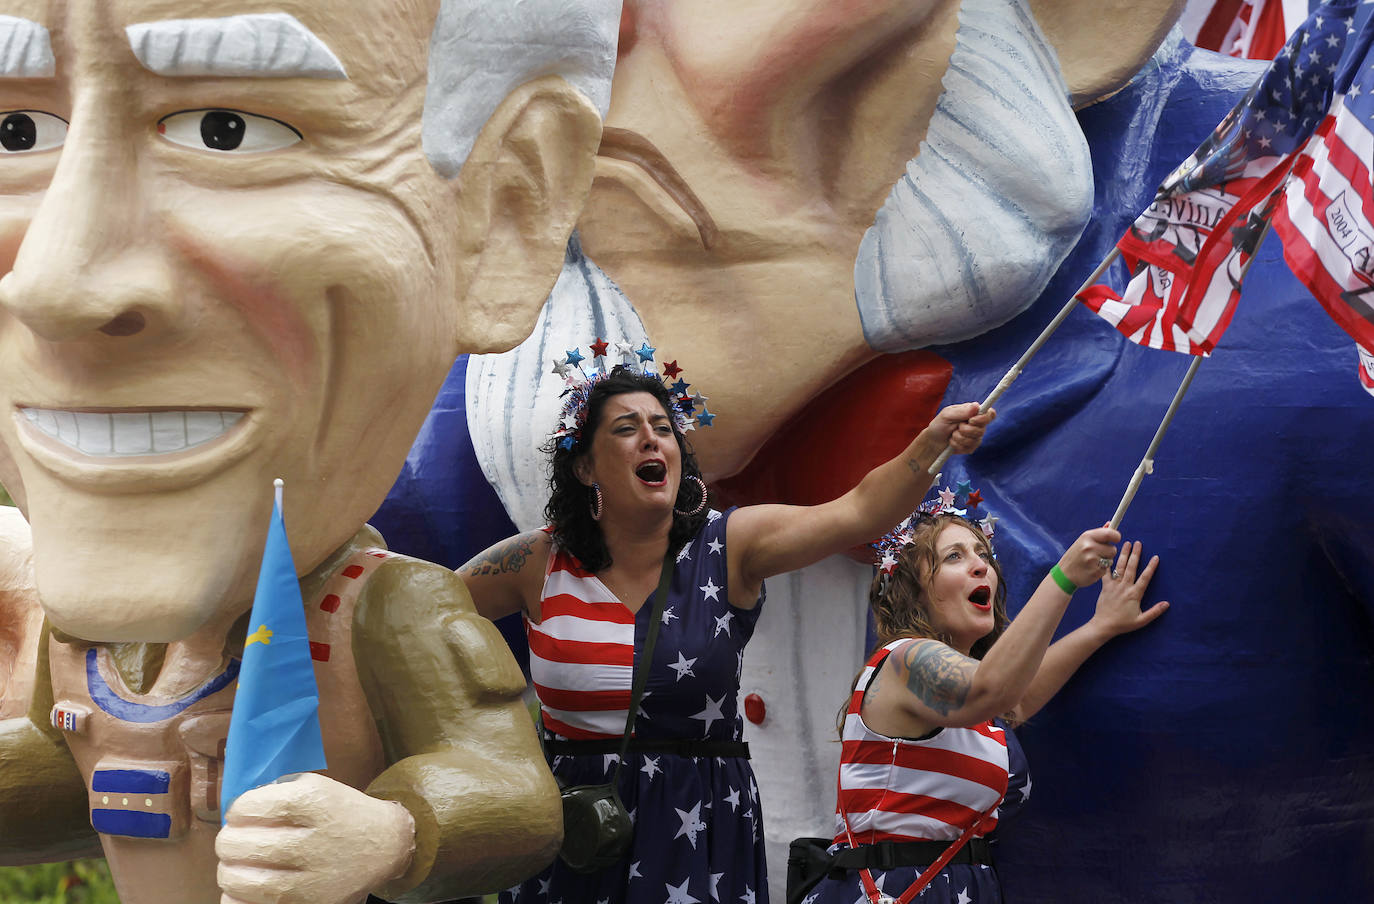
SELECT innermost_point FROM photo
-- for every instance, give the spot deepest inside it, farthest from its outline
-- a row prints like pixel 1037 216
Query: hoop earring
pixel 598 504
pixel 701 484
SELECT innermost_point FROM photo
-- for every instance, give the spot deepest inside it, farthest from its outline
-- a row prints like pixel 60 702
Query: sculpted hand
pixel 1118 605
pixel 311 840
pixel 1090 555
pixel 960 427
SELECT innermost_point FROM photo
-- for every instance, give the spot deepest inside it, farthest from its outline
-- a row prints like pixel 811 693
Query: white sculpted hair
pixel 481 50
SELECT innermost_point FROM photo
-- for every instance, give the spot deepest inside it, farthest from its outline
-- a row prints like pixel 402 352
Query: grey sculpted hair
pixel 481 50
pixel 994 201
pixel 261 44
pixel 25 49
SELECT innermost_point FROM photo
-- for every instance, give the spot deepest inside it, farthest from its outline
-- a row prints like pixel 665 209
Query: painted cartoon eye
pixel 227 130
pixel 31 130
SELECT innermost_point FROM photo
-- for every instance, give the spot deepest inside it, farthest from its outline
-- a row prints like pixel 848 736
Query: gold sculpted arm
pixel 465 762
pixel 43 800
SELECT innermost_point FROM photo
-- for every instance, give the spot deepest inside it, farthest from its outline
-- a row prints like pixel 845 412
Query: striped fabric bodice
pixel 581 652
pixel 894 789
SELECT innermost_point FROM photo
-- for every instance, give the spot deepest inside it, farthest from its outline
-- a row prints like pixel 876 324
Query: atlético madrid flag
pixel 1188 251
pixel 1325 213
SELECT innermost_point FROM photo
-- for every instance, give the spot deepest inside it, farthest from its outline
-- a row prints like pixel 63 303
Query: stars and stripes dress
pixel 698 830
pixel 927 789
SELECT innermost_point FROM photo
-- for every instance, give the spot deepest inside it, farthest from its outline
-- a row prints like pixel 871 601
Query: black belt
pixel 890 854
pixel 679 746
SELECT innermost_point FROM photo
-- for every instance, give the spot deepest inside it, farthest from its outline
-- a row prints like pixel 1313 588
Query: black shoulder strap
pixel 646 657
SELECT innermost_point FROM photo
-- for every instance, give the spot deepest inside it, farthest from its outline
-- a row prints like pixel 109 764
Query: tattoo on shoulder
pixel 937 675
pixel 503 558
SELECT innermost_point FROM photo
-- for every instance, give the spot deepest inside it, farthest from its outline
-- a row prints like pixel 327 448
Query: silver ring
pixel 1115 574
pixel 1104 562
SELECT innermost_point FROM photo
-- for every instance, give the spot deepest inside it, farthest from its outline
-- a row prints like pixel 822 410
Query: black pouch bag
pixel 596 826
pixel 808 862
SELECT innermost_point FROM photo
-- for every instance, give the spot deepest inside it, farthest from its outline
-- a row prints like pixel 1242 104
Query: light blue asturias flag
pixel 275 727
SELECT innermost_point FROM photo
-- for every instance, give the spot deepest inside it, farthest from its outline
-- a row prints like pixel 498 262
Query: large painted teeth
pixel 118 433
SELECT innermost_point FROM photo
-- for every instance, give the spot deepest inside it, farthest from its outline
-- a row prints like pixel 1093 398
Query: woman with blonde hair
pixel 927 756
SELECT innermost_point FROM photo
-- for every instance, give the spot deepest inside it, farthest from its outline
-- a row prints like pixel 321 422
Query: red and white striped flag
pixel 1366 368
pixel 1325 214
pixel 1253 29
pixel 1187 252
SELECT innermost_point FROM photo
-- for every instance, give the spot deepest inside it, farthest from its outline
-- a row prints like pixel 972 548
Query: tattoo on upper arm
pixel 938 676
pixel 503 558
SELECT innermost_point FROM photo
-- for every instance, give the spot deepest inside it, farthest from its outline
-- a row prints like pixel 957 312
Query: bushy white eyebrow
pixel 266 45
pixel 25 49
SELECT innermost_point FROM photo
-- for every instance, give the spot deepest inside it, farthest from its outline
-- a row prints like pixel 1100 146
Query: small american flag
pixel 1187 252
pixel 1325 214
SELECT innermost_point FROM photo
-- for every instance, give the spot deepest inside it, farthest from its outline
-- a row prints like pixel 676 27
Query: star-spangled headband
pixel 961 501
pixel 573 415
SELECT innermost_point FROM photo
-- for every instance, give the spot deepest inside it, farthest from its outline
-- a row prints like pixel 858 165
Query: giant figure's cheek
pixel 262 304
pixel 874 412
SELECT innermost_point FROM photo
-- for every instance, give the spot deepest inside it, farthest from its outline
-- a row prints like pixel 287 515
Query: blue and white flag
pixel 275 727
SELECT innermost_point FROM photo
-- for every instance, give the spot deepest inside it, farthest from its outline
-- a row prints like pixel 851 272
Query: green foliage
pixel 77 882
pixel 5 497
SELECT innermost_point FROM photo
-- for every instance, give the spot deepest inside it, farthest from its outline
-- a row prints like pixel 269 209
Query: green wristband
pixel 1062 580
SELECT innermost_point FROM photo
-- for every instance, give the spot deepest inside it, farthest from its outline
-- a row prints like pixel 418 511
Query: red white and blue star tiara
pixel 962 500
pixel 573 415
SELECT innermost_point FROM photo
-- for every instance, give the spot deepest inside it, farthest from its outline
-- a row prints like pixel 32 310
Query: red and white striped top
pixel 893 789
pixel 581 653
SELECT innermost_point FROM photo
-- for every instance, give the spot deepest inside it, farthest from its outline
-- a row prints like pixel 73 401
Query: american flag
pixel 1187 253
pixel 1366 369
pixel 1324 216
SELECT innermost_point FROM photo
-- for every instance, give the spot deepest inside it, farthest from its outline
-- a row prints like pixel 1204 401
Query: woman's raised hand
pixel 1089 557
pixel 1123 592
pixel 960 427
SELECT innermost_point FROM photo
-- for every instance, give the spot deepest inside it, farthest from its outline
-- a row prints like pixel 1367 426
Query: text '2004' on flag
pixel 1189 251
pixel 1324 215
pixel 275 727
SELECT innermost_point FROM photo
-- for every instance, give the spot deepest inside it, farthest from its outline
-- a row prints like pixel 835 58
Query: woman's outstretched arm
pixel 940 686
pixel 765 540
pixel 1118 612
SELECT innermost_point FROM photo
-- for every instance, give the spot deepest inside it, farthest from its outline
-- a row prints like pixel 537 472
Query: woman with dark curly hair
pixel 928 764
pixel 626 497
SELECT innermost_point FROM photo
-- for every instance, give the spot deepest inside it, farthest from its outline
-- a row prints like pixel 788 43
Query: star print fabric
pixel 698 825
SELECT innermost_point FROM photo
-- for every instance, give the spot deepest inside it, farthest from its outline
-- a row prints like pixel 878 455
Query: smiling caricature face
pixel 214 278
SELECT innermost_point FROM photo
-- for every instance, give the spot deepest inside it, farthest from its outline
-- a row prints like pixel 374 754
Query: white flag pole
pixel 277 488
pixel 1010 376
pixel 1147 463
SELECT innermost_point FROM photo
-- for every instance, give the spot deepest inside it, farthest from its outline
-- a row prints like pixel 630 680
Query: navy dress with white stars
pixel 698 835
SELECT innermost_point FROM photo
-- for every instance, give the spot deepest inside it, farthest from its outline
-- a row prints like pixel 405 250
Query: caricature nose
pixel 88 261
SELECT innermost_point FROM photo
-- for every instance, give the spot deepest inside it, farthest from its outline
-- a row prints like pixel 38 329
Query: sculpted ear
pixel 521 191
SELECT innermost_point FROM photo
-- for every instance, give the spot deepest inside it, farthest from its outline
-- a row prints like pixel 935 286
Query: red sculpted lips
pixel 981 597
pixel 652 472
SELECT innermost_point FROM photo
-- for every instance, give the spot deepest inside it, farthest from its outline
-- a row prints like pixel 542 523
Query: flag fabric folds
pixel 1254 29
pixel 1326 214
pixel 1187 252
pixel 275 727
